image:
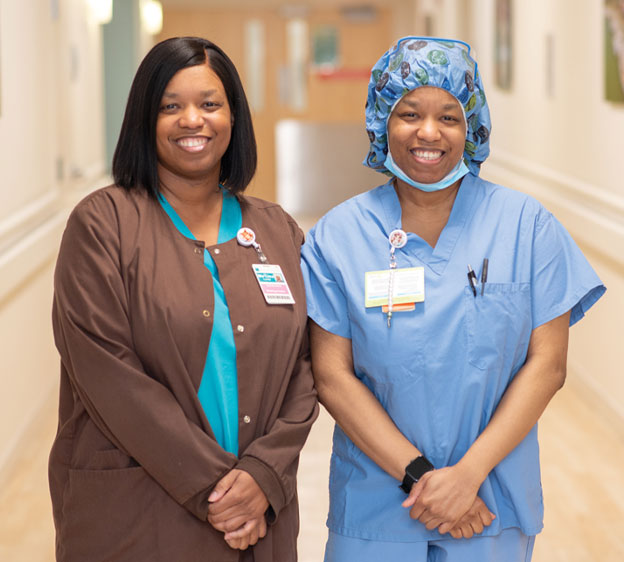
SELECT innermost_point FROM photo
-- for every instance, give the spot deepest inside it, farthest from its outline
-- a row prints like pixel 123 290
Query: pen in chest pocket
pixel 484 274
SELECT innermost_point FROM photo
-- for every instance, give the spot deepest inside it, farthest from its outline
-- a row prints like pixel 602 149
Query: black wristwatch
pixel 414 472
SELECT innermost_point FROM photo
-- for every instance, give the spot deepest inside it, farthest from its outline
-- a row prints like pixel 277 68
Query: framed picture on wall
pixel 503 44
pixel 325 46
pixel 614 50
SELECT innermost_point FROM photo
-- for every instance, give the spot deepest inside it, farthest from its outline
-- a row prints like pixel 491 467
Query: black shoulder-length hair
pixel 135 160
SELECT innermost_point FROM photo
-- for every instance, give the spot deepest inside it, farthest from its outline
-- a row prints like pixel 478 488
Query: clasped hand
pixel 237 507
pixel 446 500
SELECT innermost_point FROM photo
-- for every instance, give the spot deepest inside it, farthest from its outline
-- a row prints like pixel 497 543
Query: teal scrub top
pixel 218 390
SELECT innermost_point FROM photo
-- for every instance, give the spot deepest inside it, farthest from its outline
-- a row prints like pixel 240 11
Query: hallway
pixel 583 480
pixel 552 80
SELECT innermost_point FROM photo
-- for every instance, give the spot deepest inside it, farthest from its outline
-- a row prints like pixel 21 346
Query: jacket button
pixel 217 251
pixel 206 313
pixel 247 419
pixel 198 250
pixel 240 328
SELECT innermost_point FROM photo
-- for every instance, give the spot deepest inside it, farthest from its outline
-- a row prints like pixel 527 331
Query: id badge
pixel 273 283
pixel 408 286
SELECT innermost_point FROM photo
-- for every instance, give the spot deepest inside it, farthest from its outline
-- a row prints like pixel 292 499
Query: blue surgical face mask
pixel 458 172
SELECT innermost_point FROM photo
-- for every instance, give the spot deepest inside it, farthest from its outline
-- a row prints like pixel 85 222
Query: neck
pixel 426 201
pixel 425 213
pixel 189 194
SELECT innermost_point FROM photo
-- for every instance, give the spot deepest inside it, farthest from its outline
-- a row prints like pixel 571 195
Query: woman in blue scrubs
pixel 440 307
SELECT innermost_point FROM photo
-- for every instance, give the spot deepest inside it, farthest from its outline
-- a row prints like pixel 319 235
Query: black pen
pixel 484 269
pixel 472 279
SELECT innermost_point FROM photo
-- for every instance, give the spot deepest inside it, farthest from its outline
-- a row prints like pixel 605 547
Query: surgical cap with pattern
pixel 424 61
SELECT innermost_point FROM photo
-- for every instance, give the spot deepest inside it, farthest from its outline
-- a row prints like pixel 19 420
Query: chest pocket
pixel 498 325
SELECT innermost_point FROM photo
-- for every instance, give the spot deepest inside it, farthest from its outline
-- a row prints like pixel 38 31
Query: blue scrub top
pixel 218 390
pixel 441 370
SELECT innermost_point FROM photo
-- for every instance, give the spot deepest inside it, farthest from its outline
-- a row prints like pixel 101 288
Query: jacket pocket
pixel 106 516
pixel 498 325
pixel 110 459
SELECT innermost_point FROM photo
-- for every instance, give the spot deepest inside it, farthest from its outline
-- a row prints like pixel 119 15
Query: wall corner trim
pixel 591 213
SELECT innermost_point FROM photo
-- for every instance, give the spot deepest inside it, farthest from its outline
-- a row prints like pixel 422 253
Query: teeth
pixel 192 141
pixel 427 154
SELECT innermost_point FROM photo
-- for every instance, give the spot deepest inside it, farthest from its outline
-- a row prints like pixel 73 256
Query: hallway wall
pixel 555 137
pixel 52 150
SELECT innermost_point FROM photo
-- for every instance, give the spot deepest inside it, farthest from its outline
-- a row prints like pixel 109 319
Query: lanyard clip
pixel 247 237
pixel 397 239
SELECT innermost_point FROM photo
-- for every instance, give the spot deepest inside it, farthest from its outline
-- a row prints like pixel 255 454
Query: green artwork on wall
pixel 325 46
pixel 614 50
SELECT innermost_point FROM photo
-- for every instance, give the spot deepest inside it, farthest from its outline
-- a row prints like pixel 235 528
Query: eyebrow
pixel 204 94
pixel 445 107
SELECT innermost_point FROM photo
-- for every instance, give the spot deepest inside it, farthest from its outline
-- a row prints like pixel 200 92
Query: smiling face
pixel 426 134
pixel 194 126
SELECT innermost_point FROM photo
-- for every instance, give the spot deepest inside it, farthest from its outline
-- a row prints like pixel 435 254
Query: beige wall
pixel 52 144
pixel 566 149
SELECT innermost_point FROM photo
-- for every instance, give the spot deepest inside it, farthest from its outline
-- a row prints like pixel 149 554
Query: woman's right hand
pixel 474 521
pixel 248 535
pixel 235 501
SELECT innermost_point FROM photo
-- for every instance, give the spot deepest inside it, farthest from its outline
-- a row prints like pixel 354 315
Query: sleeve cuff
pixel 198 504
pixel 268 481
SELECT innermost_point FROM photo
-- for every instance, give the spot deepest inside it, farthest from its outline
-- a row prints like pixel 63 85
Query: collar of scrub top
pixel 427 61
pixel 436 258
pixel 231 221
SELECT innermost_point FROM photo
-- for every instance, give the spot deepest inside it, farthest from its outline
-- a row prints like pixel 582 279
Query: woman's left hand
pixel 442 497
pixel 474 521
pixel 236 500
pixel 248 535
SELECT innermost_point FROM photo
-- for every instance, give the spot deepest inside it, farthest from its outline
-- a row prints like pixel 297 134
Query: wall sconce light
pixel 152 16
pixel 101 10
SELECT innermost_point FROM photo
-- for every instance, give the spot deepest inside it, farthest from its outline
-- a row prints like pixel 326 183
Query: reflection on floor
pixel 582 460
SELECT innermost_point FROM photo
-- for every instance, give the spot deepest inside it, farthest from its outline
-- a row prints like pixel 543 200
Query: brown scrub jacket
pixel 134 458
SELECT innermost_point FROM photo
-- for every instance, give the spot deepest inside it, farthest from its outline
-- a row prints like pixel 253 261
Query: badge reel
pixel 247 237
pixel 270 277
pixel 397 239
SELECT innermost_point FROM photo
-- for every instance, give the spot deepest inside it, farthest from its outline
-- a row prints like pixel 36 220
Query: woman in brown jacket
pixel 179 314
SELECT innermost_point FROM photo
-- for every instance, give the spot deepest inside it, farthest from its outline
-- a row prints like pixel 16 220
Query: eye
pixel 211 105
pixel 450 119
pixel 169 107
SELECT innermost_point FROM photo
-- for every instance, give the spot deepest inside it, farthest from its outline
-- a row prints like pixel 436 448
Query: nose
pixel 428 130
pixel 191 117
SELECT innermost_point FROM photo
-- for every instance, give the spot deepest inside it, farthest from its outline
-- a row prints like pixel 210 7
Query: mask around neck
pixel 458 172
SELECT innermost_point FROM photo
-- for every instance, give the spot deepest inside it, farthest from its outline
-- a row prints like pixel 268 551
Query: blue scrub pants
pixel 511 545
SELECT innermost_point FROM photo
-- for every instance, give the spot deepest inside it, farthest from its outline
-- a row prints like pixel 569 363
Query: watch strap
pixel 414 471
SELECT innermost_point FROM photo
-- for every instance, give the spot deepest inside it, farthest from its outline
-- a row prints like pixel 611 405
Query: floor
pixel 582 457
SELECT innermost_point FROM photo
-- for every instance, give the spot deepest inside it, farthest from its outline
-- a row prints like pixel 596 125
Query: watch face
pixel 418 467
pixel 414 471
